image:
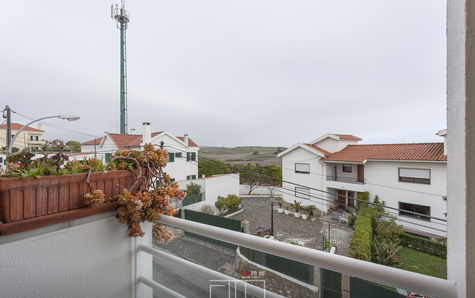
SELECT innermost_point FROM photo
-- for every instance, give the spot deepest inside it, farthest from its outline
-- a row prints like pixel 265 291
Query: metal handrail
pixel 423 284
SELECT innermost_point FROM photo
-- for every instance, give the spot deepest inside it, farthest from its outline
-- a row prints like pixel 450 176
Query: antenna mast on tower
pixel 120 15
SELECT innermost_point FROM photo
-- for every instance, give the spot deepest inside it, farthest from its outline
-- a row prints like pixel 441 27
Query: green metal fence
pixel 297 270
pixel 365 289
pixel 330 284
pixel 192 199
pixel 213 220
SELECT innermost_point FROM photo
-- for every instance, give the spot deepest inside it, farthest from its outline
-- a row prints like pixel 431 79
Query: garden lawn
pixel 424 263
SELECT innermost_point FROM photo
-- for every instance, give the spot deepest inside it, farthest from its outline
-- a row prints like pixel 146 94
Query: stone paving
pixel 291 229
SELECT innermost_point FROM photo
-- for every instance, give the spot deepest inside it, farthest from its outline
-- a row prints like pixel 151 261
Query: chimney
pixel 185 139
pixel 147 133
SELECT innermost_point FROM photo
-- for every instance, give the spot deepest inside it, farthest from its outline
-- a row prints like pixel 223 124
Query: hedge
pixel 423 244
pixel 360 244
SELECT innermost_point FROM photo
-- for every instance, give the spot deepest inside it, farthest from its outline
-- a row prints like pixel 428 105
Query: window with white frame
pixel 302 168
pixel 414 175
pixel 302 192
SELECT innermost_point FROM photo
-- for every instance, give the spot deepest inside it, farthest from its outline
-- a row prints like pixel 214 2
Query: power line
pixel 375 184
pixel 297 184
pixel 57 126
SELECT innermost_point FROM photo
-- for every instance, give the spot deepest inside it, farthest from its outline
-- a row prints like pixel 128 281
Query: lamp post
pixel 65 117
pixel 271 210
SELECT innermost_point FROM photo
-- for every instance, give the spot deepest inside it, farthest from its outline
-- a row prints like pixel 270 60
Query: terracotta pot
pixel 26 198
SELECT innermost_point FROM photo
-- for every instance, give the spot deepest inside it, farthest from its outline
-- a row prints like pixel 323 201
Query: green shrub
pixel 423 244
pixel 229 202
pixel 360 244
pixel 193 188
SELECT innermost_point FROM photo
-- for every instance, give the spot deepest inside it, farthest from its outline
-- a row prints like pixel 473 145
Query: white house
pixel 333 169
pixel 182 151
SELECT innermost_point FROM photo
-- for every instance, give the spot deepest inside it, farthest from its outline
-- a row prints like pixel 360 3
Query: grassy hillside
pixel 244 154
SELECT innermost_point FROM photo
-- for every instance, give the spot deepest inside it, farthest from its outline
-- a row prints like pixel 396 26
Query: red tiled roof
pixel 412 151
pixel 18 126
pixel 93 142
pixel 347 137
pixel 325 152
pixel 190 142
pixel 132 140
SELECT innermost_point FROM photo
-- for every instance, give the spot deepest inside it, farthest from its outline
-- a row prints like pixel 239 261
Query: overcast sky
pixel 229 73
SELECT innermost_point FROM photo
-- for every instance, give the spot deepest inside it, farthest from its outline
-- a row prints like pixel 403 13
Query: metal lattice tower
pixel 120 15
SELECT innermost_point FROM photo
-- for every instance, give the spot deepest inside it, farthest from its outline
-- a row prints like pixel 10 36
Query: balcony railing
pixel 393 277
pixel 346 179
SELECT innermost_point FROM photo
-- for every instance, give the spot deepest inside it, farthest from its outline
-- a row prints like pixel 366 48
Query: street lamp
pixel 271 210
pixel 64 117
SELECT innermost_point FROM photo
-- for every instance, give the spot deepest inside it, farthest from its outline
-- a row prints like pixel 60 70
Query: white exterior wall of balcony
pixel 460 143
pixel 88 257
pixel 383 180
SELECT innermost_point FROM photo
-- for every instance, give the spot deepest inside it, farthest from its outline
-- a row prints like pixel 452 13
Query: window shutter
pixel 171 157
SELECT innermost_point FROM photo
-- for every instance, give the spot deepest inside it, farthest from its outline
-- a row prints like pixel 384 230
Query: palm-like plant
pixel 297 206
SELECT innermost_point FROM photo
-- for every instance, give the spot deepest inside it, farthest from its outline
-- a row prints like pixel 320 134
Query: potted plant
pixel 280 209
pixel 297 207
pixel 51 189
pixel 311 212
pixel 287 210
pixel 304 215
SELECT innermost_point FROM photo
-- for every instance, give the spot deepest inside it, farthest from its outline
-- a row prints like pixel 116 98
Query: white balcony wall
pixel 89 260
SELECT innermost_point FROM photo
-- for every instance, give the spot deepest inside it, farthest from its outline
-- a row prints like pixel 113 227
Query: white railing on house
pixel 423 284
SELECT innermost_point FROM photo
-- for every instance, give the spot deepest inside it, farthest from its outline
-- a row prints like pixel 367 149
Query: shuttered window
pixel 303 168
pixel 171 157
pixel 414 175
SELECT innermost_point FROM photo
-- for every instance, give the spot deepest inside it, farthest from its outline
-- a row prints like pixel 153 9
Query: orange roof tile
pixel 325 152
pixel 18 126
pixel 411 151
pixel 347 137
pixel 190 142
pixel 93 142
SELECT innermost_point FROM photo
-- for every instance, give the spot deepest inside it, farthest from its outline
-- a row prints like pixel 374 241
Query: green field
pixel 243 154
pixel 424 263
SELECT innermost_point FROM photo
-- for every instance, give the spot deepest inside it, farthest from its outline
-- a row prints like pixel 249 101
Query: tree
pixel 74 146
pixel 257 175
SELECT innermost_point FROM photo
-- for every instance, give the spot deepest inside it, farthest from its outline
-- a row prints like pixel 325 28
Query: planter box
pixel 287 212
pixel 304 216
pixel 28 198
pixel 297 214
pixel 280 210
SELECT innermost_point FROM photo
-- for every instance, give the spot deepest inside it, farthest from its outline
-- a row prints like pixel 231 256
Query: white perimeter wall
pixel 88 260
pixel 386 173
pixel 213 186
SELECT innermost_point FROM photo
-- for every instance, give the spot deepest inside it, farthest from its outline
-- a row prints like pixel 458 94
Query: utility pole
pixel 271 210
pixel 7 113
pixel 120 15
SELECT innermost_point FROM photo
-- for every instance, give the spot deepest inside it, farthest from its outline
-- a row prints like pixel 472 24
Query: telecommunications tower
pixel 120 15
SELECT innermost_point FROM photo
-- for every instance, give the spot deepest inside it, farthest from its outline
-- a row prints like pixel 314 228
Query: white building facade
pixel 410 178
pixel 182 151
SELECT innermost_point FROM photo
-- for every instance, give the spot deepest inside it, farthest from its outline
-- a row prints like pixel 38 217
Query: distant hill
pixel 243 154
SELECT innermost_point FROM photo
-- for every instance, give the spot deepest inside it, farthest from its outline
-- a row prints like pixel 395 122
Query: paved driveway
pixel 288 228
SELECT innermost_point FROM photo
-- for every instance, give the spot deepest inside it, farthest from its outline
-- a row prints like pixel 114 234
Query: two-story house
pixel 182 150
pixel 30 138
pixel 333 169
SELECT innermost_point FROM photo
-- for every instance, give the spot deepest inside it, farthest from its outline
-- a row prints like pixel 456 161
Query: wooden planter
pixel 36 202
